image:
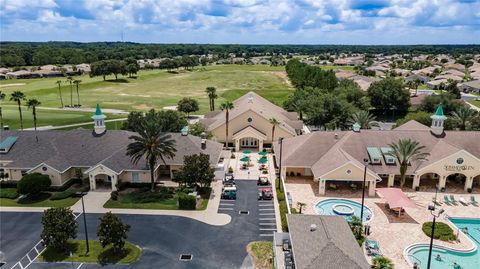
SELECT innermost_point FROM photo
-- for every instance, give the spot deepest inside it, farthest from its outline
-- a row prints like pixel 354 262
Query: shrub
pixel 282 206
pixel 33 184
pixel 62 194
pixel 65 185
pixel 114 195
pixel 112 230
pixel 10 193
pixel 230 170
pixel 442 231
pixel 186 201
pixel 59 225
pixel 382 263
pixel 8 184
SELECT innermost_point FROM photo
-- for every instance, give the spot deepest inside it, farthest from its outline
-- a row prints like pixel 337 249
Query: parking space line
pixel 266 209
pixel 268 224
pixel 227 205
pixel 266 234
pixel 266 214
pixel 270 204
pixel 266 218
pixel 268 229
pixel 224 208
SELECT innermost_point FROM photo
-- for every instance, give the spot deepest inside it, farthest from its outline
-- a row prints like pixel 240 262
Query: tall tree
pixel 362 117
pixel 212 95
pixel 59 83
pixel 274 122
pixel 151 144
pixel 33 103
pixel 70 80
pixel 2 97
pixel 112 230
pixel 226 106
pixel 59 225
pixel 18 96
pixel 389 94
pixel 77 83
pixel 187 105
pixel 406 151
pixel 462 117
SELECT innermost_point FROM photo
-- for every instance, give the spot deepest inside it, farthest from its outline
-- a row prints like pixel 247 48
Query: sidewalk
pixel 94 202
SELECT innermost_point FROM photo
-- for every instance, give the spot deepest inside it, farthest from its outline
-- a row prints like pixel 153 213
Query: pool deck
pixel 392 233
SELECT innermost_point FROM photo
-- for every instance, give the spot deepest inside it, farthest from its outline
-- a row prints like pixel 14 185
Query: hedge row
pixel 188 202
pixel 68 193
pixel 442 231
pixel 283 206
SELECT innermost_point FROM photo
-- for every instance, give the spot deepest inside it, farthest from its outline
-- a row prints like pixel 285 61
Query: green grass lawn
pixel 159 88
pixel 97 254
pixel 262 254
pixel 168 204
pixel 45 117
pixel 41 201
pixel 475 103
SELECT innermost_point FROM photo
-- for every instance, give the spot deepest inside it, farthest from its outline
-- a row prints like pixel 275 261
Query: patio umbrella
pixel 263 160
pixel 245 159
pixel 247 151
pixel 262 153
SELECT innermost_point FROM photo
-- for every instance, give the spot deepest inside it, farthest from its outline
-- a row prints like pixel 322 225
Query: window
pixel 24 172
pixel 44 168
pixel 135 177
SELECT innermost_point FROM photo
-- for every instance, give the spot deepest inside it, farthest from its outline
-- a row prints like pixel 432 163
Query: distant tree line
pixel 114 67
pixel 41 53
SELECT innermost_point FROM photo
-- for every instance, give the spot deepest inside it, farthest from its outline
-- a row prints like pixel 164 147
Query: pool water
pixel 326 207
pixel 467 260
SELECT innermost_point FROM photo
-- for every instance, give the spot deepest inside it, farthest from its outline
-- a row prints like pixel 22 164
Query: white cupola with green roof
pixel 437 120
pixel 99 121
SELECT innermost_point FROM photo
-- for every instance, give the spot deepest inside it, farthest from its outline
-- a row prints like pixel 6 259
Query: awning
pixel 395 198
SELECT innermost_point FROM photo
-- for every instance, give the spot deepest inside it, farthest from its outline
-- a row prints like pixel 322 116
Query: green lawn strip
pixel 41 201
pixel 261 253
pixel 97 254
pixel 475 102
pixel 10 193
pixel 203 205
pixel 170 204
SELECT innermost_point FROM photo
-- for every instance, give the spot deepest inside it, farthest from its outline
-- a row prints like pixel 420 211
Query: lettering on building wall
pixel 458 168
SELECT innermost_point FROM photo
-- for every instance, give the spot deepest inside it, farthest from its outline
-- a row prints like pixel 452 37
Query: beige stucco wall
pixel 445 167
pixel 13 174
pixel 303 171
pixel 143 176
pixel 356 173
pixel 240 122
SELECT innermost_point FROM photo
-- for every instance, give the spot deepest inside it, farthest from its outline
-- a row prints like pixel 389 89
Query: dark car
pixel 265 194
pixel 229 180
pixel 263 181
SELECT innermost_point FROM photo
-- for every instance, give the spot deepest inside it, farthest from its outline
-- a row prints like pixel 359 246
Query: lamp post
pixel 280 140
pixel 435 215
pixel 365 162
pixel 81 194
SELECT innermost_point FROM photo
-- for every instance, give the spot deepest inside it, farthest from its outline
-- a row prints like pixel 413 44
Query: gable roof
pixel 80 148
pixel 330 245
pixel 412 125
pixel 254 102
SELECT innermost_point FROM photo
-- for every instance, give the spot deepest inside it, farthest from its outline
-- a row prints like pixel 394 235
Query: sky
pixel 243 21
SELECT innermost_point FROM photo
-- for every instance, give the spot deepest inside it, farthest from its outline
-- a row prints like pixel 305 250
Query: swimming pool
pixel 469 259
pixel 343 207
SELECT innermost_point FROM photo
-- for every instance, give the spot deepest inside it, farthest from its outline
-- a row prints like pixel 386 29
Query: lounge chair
pixel 462 201
pixel 436 202
pixel 446 200
pixel 452 199
pixel 473 201
pixel 372 248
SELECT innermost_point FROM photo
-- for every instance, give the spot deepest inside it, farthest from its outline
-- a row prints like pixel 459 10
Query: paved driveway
pixel 162 238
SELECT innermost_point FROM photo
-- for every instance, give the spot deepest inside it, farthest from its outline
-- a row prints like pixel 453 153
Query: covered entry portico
pixel 101 173
pixel 249 137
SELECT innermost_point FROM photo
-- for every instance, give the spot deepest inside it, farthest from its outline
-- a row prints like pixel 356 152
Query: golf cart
pixel 263 181
pixel 229 180
pixel 265 194
pixel 229 193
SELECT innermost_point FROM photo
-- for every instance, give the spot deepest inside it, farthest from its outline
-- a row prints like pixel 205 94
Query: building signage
pixel 458 168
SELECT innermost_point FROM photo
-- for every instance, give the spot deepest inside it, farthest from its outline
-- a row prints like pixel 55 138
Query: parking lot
pixel 162 238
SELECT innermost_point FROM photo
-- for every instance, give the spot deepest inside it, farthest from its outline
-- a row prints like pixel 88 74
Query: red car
pixel 265 194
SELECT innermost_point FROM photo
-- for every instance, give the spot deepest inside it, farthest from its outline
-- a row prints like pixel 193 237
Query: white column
pixel 372 187
pixel 260 145
pixel 391 180
pixel 237 145
pixel 442 182
pixel 468 183
pixel 283 173
pixel 321 187
pixel 416 181
pixel 93 184
pixel 114 182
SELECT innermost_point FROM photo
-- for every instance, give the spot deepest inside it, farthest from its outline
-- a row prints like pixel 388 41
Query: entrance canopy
pixel 395 198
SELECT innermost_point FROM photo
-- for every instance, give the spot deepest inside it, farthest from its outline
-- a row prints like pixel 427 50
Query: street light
pixel 280 140
pixel 365 162
pixel 432 211
pixel 81 194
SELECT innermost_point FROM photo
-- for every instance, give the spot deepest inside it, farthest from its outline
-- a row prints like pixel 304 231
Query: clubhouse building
pixel 340 158
pixel 249 123
pixel 99 155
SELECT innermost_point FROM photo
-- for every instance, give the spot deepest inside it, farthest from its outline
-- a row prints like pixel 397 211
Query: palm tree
pixel 18 96
pixel 462 116
pixel 227 106
pixel 70 80
pixel 274 122
pixel 212 95
pixel 406 151
pixel 77 82
pixel 2 97
pixel 33 103
pixel 59 83
pixel 152 144
pixel 362 117
pixel 382 263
